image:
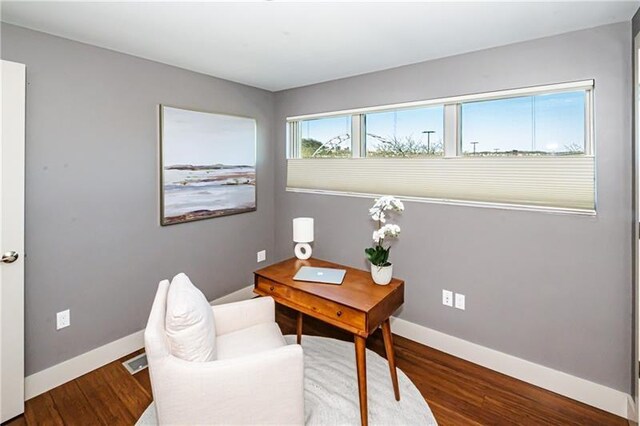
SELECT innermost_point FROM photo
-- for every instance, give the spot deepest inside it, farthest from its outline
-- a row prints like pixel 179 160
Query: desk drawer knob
pixel 271 288
pixel 339 313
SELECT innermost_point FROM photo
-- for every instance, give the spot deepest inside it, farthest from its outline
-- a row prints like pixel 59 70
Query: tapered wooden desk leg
pixel 361 361
pixel 388 347
pixel 299 328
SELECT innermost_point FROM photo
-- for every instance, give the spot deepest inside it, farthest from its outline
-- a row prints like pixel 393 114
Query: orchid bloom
pixel 383 204
pixel 389 230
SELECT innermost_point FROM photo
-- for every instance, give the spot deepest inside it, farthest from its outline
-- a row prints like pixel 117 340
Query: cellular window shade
pixel 556 182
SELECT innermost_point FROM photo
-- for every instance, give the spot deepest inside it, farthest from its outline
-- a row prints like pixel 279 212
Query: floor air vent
pixel 135 364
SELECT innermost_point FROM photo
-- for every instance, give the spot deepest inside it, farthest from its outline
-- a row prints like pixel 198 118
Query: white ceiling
pixel 278 45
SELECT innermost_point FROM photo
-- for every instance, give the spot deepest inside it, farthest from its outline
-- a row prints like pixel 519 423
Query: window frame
pixel 452 131
pixel 363 130
pixel 297 132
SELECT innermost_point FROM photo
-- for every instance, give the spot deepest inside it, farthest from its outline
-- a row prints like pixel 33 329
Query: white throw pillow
pixel 189 322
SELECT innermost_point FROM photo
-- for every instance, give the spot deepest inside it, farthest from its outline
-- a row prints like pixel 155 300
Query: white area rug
pixel 331 389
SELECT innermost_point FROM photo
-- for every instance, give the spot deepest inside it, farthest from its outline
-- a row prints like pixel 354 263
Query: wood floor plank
pixel 105 401
pixel 144 380
pixel 73 406
pixel 41 410
pixel 142 377
pixel 134 396
pixel 520 414
pixel 447 417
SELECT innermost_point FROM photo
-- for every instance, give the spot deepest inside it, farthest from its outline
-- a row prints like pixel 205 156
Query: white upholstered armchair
pixel 255 378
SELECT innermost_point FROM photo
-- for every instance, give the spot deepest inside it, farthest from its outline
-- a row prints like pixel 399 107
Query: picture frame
pixel 207 165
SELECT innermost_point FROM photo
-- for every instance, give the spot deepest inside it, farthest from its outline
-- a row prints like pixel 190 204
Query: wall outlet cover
pixel 447 298
pixel 460 303
pixel 262 256
pixel 63 319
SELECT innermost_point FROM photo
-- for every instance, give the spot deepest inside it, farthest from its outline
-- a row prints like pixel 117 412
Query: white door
pixel 12 123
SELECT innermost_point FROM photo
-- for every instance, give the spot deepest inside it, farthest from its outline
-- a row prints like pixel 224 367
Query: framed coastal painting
pixel 207 165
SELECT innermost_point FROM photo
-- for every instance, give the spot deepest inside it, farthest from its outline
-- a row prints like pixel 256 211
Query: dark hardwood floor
pixel 458 392
pixel 462 393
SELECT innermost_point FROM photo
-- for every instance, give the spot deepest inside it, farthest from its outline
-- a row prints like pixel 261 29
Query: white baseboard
pixel 54 376
pixel 58 374
pixel 632 414
pixel 244 293
pixel 594 394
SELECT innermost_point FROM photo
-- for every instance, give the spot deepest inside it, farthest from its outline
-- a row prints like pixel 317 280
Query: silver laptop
pixel 320 275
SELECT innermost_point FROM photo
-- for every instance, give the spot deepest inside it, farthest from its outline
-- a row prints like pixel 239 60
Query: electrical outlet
pixel 460 301
pixel 63 319
pixel 262 256
pixel 447 298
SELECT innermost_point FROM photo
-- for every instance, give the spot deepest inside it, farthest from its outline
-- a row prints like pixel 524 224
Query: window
pixel 521 148
pixel 405 133
pixel 325 138
pixel 549 124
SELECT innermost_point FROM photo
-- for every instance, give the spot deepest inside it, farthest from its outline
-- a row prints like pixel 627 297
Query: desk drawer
pixel 314 306
pixel 328 309
pixel 273 289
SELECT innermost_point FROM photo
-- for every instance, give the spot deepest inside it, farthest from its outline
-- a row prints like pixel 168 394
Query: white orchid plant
pixel 378 255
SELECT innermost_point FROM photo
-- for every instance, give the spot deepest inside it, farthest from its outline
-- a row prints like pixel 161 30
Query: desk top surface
pixel 357 290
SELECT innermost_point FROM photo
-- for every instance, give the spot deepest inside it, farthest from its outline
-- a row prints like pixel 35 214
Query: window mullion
pixel 294 140
pixel 363 134
pixel 589 148
pixel 357 136
pixel 451 130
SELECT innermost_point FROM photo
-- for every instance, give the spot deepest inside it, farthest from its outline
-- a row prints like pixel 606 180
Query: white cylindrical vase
pixel 381 275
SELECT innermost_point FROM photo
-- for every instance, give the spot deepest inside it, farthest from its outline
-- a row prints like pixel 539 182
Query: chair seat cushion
pixel 248 341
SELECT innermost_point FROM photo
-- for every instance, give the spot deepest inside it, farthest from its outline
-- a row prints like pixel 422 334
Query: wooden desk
pixel 358 306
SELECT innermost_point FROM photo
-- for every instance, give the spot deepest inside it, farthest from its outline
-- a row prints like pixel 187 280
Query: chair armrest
pixel 236 316
pixel 264 388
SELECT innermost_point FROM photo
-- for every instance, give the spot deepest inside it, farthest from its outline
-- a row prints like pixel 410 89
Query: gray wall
pixel 552 289
pixel 93 239
pixel 548 288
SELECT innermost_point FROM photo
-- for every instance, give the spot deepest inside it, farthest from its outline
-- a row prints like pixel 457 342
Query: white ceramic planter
pixel 381 274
